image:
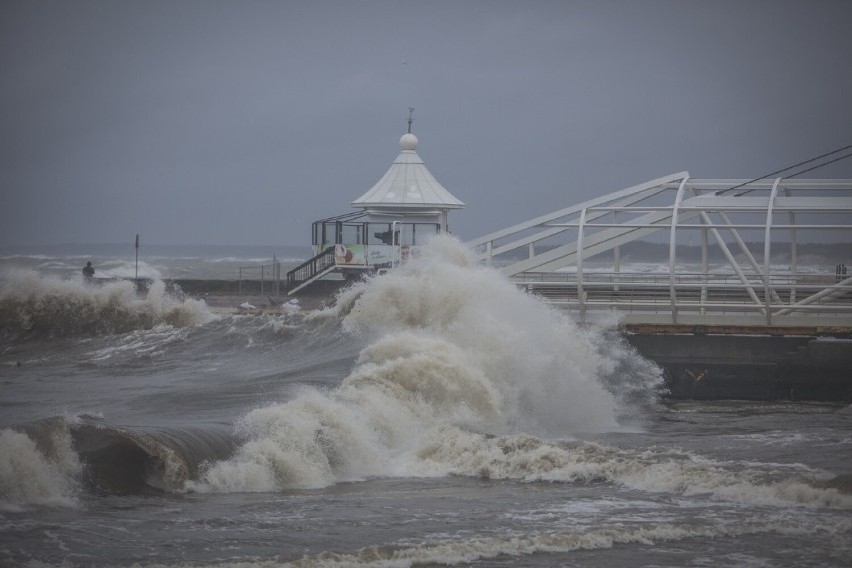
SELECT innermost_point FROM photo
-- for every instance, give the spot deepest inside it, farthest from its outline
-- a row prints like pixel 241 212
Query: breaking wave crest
pixel 47 474
pixel 53 460
pixel 45 306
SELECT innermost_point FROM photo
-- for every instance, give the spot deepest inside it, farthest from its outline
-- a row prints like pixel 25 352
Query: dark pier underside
pixel 713 363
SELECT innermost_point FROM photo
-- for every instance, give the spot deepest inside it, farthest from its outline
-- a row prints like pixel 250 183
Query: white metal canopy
pixel 408 184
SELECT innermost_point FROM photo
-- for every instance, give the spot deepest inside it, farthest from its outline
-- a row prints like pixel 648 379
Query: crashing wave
pixel 452 343
pixel 466 375
pixel 45 306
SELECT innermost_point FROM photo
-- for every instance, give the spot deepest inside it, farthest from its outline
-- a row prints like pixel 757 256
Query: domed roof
pixel 408 183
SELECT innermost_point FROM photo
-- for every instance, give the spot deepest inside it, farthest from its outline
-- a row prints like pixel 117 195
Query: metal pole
pixel 616 260
pixel 394 243
pixel 795 279
pixel 276 274
pixel 136 278
pixel 767 244
pixel 673 249
pixel 580 292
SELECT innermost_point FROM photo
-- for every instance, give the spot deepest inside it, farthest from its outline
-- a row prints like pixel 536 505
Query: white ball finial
pixel 408 141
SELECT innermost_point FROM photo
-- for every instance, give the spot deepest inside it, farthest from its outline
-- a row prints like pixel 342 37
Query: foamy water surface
pixel 434 415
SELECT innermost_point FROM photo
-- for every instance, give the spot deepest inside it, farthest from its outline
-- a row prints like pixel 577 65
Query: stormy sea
pixel 430 416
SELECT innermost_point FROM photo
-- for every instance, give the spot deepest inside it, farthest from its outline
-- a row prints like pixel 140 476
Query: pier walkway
pixel 732 253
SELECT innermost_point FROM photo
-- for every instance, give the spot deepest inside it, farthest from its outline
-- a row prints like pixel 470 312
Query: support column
pixel 673 248
pixel 580 292
pixel 767 247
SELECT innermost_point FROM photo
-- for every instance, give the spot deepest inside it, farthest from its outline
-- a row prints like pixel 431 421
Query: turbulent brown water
pixel 434 416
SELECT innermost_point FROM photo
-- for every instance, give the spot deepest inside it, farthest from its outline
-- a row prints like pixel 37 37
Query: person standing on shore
pixel 88 272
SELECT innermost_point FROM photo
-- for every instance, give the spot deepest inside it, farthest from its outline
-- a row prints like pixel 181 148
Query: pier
pixel 747 271
pixel 738 306
pixel 731 310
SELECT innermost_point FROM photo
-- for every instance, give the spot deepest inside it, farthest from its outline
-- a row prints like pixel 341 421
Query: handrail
pixel 700 297
pixel 310 268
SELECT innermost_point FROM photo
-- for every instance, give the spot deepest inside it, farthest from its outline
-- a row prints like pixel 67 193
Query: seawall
pixel 229 294
pixel 706 363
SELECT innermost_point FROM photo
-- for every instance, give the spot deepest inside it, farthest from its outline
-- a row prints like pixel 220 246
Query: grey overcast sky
pixel 212 122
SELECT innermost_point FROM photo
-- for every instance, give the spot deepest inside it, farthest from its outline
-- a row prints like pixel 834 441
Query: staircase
pixel 310 270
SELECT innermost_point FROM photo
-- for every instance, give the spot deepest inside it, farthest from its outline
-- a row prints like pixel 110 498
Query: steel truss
pixel 560 255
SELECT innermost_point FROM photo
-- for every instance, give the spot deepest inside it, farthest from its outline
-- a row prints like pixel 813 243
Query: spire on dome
pixel 408 142
pixel 407 183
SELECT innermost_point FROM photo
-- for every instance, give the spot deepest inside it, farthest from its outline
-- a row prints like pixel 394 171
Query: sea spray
pixel 46 306
pixel 401 386
pixel 450 343
pixel 463 374
pixel 33 475
pixel 547 371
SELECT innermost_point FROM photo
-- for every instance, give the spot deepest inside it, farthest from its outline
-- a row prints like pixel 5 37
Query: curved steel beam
pixel 673 248
pixel 580 292
pixel 767 246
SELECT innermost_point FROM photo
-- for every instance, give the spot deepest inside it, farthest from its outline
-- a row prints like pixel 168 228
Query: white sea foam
pixel 548 372
pixel 465 375
pixel 32 476
pixel 128 269
pixel 143 342
pixel 31 302
pixel 452 450
pixel 28 256
pixel 449 551
pixel 453 344
pixel 465 550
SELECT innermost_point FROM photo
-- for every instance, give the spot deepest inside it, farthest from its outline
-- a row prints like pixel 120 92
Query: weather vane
pixel 410 118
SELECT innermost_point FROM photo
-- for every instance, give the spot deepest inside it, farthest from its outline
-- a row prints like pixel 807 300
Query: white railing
pixel 703 296
pixel 755 228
